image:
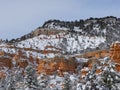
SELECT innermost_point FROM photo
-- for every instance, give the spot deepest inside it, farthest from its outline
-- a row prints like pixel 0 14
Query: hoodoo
pixel 115 52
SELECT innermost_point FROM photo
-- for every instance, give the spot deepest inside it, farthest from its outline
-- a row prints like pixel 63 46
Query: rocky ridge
pixel 59 38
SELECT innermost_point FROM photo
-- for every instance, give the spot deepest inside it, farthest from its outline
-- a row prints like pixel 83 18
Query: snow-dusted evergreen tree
pixel 18 78
pixel 10 82
pixel 2 84
pixel 66 82
pixel 43 81
pixel 31 82
pixel 90 79
pixel 12 77
pixel 109 77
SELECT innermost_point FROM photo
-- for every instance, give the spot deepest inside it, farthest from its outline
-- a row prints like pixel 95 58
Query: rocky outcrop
pixel 58 65
pixel 115 52
pixel 107 27
pixel 2 53
pixel 2 75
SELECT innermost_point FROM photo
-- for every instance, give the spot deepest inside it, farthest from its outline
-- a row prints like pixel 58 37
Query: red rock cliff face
pixel 115 52
pixel 58 65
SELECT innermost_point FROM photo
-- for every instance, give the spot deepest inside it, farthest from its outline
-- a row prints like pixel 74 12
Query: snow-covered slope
pixel 59 37
pixel 61 43
pixel 108 27
pixel 67 43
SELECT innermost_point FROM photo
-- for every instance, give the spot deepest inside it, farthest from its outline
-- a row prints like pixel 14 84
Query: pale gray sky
pixel 19 17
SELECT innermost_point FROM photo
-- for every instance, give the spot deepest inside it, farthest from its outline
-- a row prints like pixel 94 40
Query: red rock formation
pixel 17 59
pixel 41 67
pixel 2 75
pixel 59 66
pixel 115 52
pixel 98 71
pixel 5 62
pixel 117 67
pixel 1 53
pixel 115 55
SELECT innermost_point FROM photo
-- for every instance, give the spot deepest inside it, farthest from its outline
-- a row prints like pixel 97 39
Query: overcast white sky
pixel 19 17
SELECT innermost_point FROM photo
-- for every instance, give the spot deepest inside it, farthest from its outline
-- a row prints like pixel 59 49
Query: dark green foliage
pixel 67 81
pixel 31 78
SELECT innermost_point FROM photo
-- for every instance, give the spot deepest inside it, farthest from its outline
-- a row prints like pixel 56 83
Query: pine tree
pixel 91 78
pixel 31 78
pixel 110 77
pixel 10 82
pixel 66 83
pixel 2 84
pixel 43 81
